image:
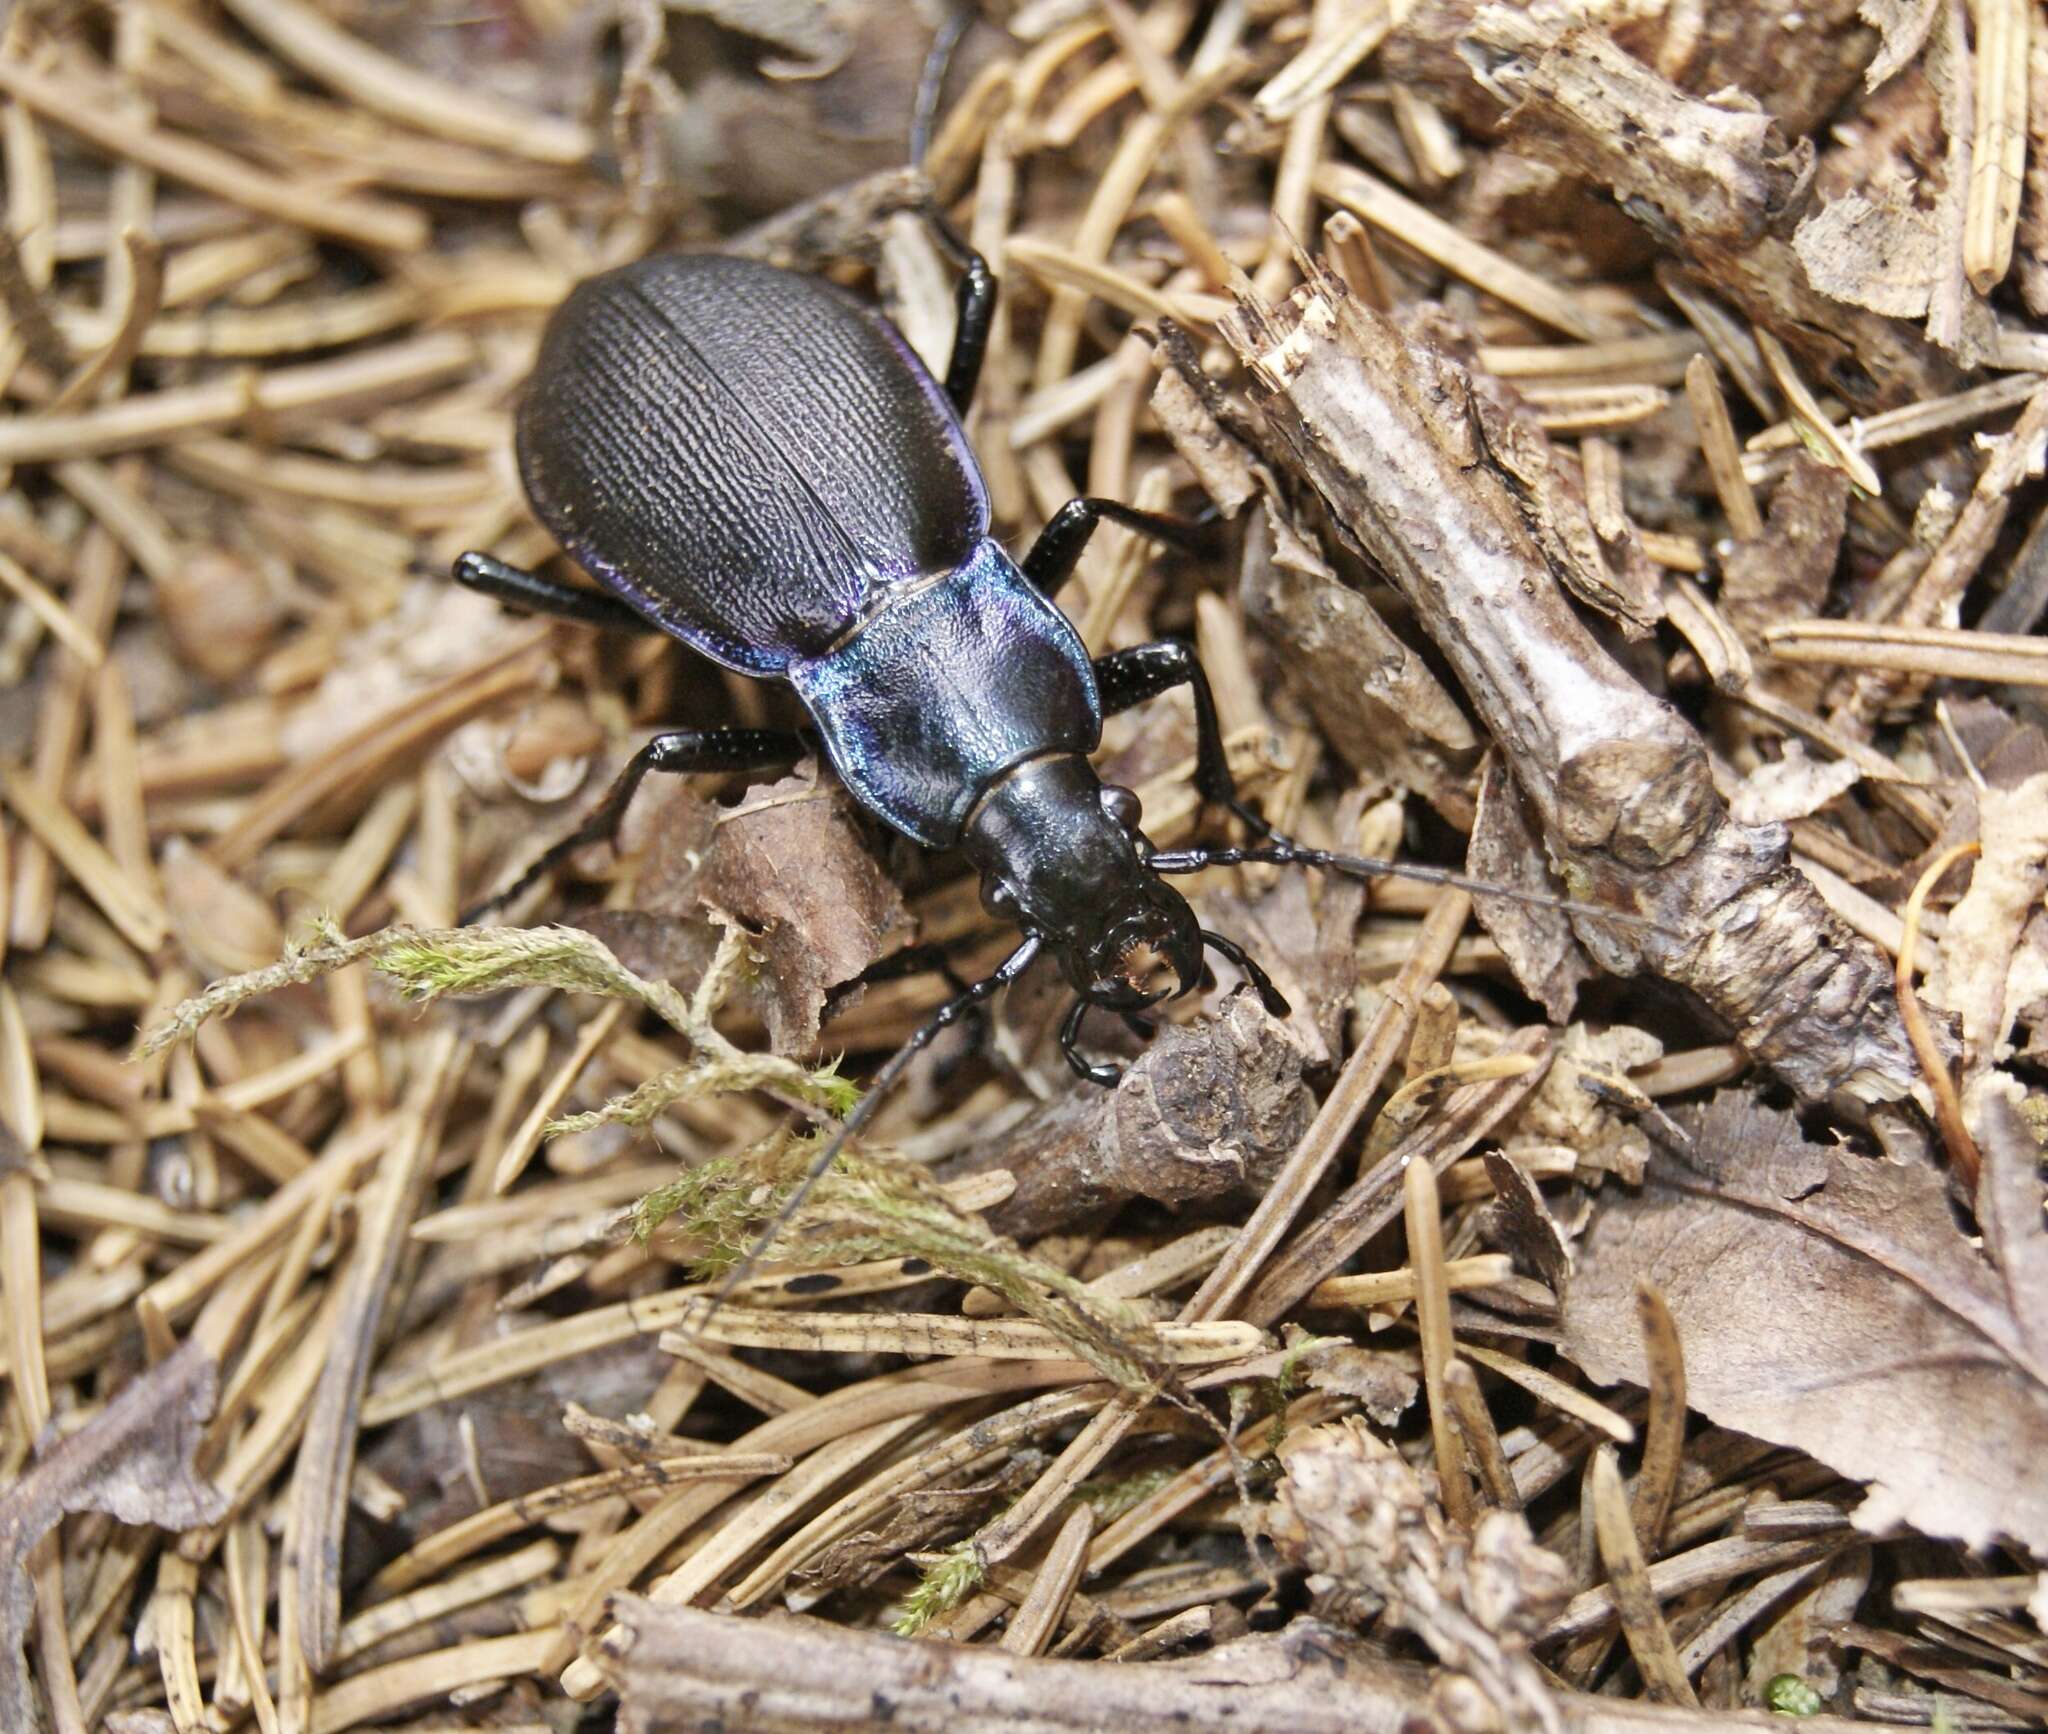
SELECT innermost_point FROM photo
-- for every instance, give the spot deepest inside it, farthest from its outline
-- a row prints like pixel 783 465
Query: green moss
pixel 1789 1695
pixel 942 1589
pixel 870 1208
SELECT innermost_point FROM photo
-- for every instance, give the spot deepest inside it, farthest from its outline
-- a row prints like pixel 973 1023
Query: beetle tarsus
pixel 1249 967
pixel 1087 1070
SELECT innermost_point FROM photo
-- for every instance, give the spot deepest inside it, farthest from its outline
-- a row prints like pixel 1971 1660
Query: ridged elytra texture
pixel 746 455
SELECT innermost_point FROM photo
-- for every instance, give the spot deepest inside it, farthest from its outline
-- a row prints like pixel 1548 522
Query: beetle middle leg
pixel 1053 556
pixel 1129 677
pixel 680 752
pixel 528 591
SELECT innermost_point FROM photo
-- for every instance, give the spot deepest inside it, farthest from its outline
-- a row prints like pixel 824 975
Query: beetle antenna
pixel 1280 852
pixel 864 1110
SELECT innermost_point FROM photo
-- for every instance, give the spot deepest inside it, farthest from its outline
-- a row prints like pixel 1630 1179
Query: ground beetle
pixel 753 461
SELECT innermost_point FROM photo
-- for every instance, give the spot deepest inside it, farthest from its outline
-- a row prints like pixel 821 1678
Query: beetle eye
pixel 1122 806
pixel 1000 900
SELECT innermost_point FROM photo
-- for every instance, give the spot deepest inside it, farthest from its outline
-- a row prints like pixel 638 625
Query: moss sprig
pixel 871 1208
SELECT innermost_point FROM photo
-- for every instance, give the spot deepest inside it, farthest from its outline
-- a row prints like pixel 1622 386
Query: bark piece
pixel 1710 178
pixel 1777 1256
pixel 1784 573
pixel 1369 692
pixel 133 1461
pixel 1206 1113
pixel 1507 849
pixel 1618 782
pixel 1352 1509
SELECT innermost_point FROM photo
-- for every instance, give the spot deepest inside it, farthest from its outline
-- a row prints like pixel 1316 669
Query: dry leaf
pixel 1563 1111
pixel 792 865
pixel 1883 256
pixel 1829 1302
pixel 133 1461
pixel 1783 574
pixel 1981 950
pixel 1904 25
pixel 1385 1383
pixel 1794 787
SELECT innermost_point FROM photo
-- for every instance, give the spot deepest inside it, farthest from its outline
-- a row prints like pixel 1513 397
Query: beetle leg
pixel 1270 996
pixel 1129 677
pixel 678 753
pixel 974 312
pixel 533 594
pixel 1051 560
pixel 1084 1068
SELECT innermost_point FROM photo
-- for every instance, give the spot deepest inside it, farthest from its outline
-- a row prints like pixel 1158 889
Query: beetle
pixel 755 462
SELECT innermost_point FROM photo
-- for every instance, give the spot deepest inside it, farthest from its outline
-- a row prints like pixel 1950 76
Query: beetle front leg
pixel 528 591
pixel 1129 677
pixel 680 752
pixel 1053 556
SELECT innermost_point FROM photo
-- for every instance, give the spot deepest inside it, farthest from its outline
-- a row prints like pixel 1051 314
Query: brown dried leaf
pixel 1981 952
pixel 1881 255
pixel 2009 1206
pixel 1829 1302
pixel 792 865
pixel 1562 1111
pixel 1904 25
pixel 133 1461
pixel 1783 574
pixel 1794 787
pixel 1520 1221
pixel 1383 1382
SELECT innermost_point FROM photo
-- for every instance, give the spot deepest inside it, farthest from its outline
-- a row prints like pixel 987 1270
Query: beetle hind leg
pixel 532 594
pixel 680 752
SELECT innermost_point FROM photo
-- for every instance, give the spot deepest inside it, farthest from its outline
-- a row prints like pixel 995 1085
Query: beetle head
pixel 1058 854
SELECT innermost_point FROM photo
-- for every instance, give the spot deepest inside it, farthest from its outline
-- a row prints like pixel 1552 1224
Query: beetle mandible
pixel 753 461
